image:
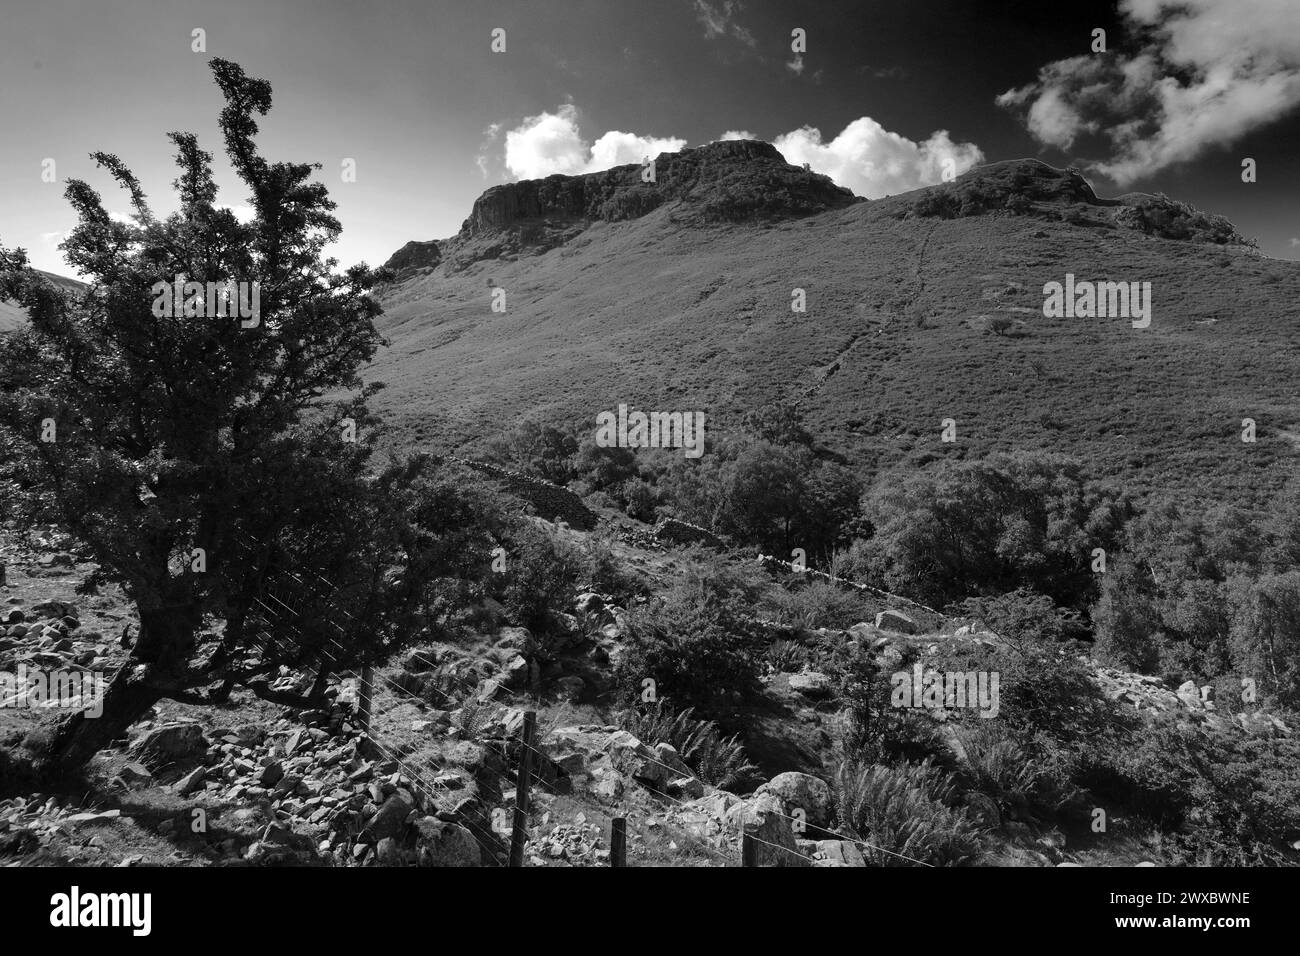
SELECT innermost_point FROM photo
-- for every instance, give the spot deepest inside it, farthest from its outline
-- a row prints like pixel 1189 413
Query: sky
pixel 884 95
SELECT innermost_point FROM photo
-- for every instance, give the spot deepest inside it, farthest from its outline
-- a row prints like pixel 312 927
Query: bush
pixel 1225 799
pixel 543 451
pixel 1001 769
pixel 641 499
pixel 697 643
pixel 998 324
pixel 1023 616
pixel 717 760
pixel 1047 699
pixel 991 526
pixel 906 813
pixel 541 577
pixel 814 602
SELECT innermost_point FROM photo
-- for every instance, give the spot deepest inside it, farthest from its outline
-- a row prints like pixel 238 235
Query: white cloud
pixel 863 157
pixel 51 240
pixel 552 143
pixel 795 65
pixel 873 162
pixel 1293 243
pixel 489 139
pixel 719 20
pixel 1209 72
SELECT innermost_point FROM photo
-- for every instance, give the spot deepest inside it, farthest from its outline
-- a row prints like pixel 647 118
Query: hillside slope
pixel 12 316
pixel 676 309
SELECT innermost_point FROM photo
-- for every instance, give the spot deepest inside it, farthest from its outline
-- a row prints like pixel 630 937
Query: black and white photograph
pixel 610 434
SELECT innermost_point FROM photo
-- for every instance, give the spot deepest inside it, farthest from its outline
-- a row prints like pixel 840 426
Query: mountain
pixel 12 315
pixel 921 307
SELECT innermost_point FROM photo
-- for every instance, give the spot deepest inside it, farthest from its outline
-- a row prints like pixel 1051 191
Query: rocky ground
pixel 248 783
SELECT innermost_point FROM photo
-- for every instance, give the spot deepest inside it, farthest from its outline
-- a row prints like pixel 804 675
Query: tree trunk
pixel 148 675
pixel 75 738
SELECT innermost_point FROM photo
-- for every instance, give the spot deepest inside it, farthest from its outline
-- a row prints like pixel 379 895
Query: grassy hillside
pixel 671 312
pixel 12 317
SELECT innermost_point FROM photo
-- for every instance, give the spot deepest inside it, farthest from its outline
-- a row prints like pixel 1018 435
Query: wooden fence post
pixel 748 850
pixel 520 832
pixel 618 842
pixel 365 700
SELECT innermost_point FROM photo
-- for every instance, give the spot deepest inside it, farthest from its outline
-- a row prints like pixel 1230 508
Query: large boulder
pixel 440 843
pixel 838 853
pixel 812 684
pixel 390 820
pixel 171 742
pixel 801 791
pixel 896 621
pixel 772 832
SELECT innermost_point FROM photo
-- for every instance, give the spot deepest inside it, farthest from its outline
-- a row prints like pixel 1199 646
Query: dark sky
pixel 411 91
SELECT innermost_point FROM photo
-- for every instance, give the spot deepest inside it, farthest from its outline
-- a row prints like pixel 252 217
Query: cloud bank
pixel 864 157
pixel 1206 73
pixel 552 143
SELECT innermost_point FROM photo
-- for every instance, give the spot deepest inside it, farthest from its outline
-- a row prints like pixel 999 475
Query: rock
pixel 172 742
pixel 390 820
pixel 89 817
pixel 667 755
pixel 896 621
pixel 415 256
pixel 15 617
pixel 812 684
pixel 589 603
pixel 839 853
pixel 518 639
pixel 515 674
pixel 633 758
pixel 771 832
pixel 866 634
pixel 191 781
pixel 685 788
pixel 271 774
pixel 801 791
pixel 135 775
pixel 570 688
pixel 440 843
pixel 388 852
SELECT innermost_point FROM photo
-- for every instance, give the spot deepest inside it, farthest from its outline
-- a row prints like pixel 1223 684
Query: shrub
pixel 1001 769
pixel 998 324
pixel 1226 799
pixel 717 760
pixel 543 451
pixel 992 526
pixel 541 577
pixel 600 569
pixel 905 814
pixel 1022 616
pixel 697 643
pixel 814 602
pixel 641 499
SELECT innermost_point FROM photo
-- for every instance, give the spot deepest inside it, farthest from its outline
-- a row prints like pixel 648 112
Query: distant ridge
pixel 12 315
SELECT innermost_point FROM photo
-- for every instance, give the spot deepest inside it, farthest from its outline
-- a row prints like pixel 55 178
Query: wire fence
pixel 285 616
